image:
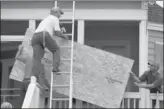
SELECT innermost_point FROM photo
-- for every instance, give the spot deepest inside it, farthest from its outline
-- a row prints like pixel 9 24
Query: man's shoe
pixel 56 71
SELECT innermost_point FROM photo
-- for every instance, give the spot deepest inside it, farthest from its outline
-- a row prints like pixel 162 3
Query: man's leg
pixel 38 53
pixel 56 60
pixel 38 68
pixel 51 44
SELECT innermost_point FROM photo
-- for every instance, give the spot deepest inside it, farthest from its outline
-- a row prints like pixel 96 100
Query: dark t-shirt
pixel 157 80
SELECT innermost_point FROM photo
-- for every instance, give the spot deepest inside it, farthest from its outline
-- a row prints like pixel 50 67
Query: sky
pixel 160 3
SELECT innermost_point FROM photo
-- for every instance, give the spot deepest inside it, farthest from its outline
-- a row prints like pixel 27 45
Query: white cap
pixel 57 9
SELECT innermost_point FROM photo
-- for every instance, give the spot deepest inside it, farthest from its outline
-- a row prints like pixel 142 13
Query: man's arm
pixel 57 29
pixel 135 78
pixel 157 82
pixel 140 79
pixel 147 86
pixel 60 34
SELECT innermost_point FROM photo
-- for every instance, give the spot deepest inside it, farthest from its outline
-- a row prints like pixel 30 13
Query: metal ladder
pixel 70 85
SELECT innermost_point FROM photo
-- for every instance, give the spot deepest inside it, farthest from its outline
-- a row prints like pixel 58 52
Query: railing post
pixel 148 99
pixel 33 79
pixel 143 58
pixel 143 50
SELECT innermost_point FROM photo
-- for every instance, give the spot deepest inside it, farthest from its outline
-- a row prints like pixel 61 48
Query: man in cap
pixel 153 79
pixel 43 37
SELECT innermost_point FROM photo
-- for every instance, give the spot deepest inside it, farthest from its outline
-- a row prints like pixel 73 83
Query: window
pixel 9 49
pixel 10 27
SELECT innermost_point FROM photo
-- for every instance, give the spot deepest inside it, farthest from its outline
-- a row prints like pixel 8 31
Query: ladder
pixel 70 85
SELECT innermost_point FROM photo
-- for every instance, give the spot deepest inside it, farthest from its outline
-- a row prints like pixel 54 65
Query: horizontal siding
pixel 154 36
pixel 151 45
pixel 151 57
pixel 151 51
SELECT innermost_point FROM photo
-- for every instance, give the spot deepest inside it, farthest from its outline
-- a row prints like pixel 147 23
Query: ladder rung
pixel 64 72
pixel 61 86
pixel 68 34
pixel 67 10
pixel 65 46
pixel 66 22
pixel 65 59
pixel 60 99
pixel 59 73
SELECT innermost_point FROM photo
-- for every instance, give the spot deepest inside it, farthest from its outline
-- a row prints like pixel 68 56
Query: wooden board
pixel 99 77
pixel 18 70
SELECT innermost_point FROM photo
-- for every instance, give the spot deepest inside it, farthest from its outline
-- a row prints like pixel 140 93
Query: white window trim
pixel 91 14
pixel 5 38
pixel 81 31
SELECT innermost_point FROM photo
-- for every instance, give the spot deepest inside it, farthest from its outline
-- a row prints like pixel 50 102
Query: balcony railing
pixel 35 98
pixel 10 95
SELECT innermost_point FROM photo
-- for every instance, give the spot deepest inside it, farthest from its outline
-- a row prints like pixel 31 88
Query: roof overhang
pixel 75 0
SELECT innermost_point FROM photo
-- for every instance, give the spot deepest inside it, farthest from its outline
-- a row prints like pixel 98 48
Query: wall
pixel 154 36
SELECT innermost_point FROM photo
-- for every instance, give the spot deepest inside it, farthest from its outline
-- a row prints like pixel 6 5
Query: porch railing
pixel 156 100
pixel 5 94
pixel 36 98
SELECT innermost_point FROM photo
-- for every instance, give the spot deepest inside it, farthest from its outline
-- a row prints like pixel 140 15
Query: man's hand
pixel 60 34
pixel 66 37
pixel 132 74
pixel 63 30
pixel 137 84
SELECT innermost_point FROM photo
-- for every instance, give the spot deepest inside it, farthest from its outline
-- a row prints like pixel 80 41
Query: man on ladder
pixel 43 37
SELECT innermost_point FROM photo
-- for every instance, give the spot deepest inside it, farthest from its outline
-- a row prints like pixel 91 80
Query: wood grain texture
pixel 99 77
pixel 18 70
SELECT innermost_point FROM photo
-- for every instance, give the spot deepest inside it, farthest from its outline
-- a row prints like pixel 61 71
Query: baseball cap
pixel 154 64
pixel 57 9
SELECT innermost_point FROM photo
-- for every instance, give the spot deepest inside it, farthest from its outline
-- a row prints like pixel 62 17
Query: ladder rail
pixel 56 3
pixel 72 51
pixel 51 83
pixel 51 90
pixel 71 62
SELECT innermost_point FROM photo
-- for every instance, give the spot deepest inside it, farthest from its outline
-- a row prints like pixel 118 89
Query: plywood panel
pixel 18 70
pixel 99 77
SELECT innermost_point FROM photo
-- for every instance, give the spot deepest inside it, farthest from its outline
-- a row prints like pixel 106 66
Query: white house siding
pixel 155 37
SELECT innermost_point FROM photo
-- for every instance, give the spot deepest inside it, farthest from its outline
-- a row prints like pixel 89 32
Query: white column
pixel 32 24
pixel 81 31
pixel 143 57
